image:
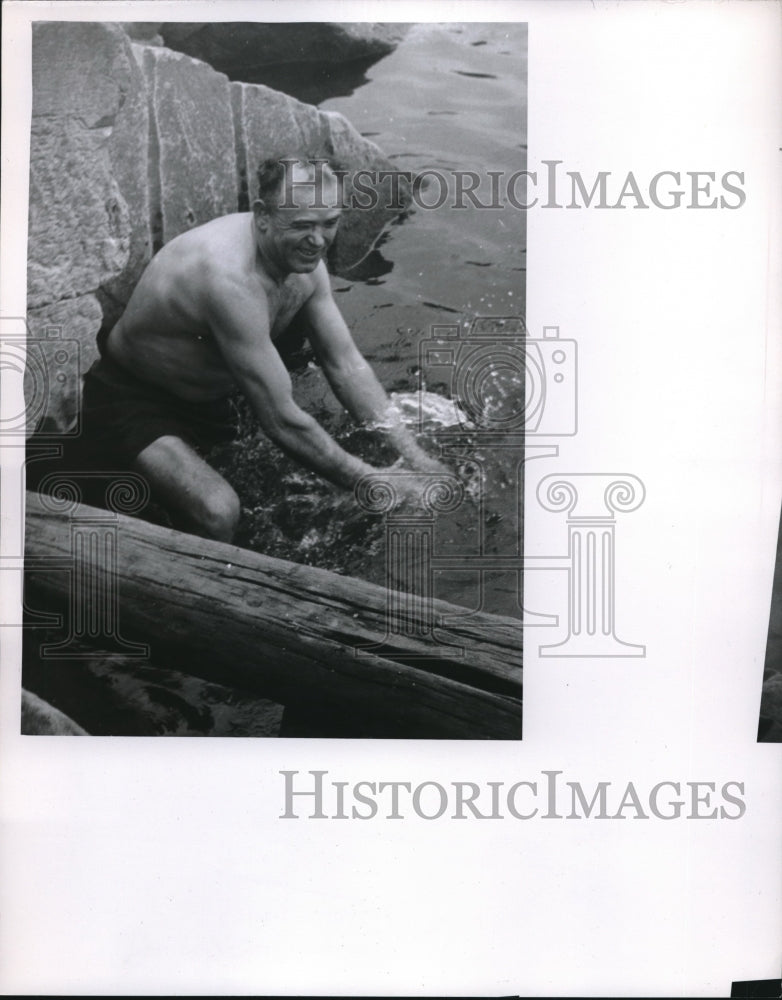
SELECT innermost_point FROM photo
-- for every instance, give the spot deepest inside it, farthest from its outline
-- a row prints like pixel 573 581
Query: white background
pixel 161 866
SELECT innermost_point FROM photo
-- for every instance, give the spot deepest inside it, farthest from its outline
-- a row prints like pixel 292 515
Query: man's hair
pixel 272 172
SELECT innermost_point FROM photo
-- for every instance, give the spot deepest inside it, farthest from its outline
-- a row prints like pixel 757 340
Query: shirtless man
pixel 204 318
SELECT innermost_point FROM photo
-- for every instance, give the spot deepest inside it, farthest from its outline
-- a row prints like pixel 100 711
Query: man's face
pixel 298 231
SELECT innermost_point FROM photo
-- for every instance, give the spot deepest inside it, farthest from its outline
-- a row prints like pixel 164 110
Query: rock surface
pixel 60 350
pixel 191 157
pixel 110 694
pixel 242 49
pixel 39 718
pixel 133 144
pixel 79 233
pixel 129 157
pixel 268 124
pixel 367 216
pixel 147 32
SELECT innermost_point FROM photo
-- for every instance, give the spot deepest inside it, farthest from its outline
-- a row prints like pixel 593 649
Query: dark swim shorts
pixel 121 415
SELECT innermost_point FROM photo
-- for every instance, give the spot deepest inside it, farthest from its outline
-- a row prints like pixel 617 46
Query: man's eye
pixel 332 223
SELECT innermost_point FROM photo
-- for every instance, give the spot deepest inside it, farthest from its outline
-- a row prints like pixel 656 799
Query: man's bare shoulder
pixel 220 246
pixel 220 257
pixel 217 232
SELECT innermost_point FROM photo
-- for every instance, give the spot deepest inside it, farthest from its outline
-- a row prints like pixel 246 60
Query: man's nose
pixel 316 238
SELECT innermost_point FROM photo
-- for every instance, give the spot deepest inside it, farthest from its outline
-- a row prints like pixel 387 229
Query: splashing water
pixel 429 411
pixel 292 513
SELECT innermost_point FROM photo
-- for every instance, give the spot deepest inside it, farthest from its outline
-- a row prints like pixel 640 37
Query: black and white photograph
pixel 391 406
pixel 313 409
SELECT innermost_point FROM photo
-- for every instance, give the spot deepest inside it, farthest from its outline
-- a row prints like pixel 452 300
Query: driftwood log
pixel 307 638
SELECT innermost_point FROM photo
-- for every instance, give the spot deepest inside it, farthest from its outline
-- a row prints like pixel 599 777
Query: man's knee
pixel 219 514
pixel 196 498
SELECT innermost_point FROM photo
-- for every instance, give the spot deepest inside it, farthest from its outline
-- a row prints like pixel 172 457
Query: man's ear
pixel 261 214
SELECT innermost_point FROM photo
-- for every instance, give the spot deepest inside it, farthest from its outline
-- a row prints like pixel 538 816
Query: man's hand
pixel 416 458
pixel 395 487
pixel 239 321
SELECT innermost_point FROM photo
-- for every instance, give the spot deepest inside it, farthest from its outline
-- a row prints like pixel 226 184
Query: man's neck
pixel 270 267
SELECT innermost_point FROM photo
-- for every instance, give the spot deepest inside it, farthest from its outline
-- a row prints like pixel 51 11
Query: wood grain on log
pixel 295 633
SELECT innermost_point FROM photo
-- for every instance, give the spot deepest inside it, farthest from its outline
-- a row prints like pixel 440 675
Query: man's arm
pixel 354 383
pixel 240 325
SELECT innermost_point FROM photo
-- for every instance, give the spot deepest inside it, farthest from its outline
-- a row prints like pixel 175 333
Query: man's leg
pixel 197 497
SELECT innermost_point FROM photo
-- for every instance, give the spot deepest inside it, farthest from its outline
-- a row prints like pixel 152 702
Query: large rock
pixel 61 347
pixel 242 49
pixel 269 124
pixel 131 146
pixel 147 32
pixel 111 694
pixel 39 718
pixel 192 171
pixel 129 154
pixel 366 216
pixel 79 231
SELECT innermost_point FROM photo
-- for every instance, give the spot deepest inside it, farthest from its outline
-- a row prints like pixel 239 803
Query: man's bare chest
pixel 284 302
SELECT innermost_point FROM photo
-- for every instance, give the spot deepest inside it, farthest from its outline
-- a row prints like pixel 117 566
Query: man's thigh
pixel 123 416
pixel 197 497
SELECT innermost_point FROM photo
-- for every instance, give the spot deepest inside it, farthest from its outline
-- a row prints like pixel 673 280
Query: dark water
pixel 450 98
